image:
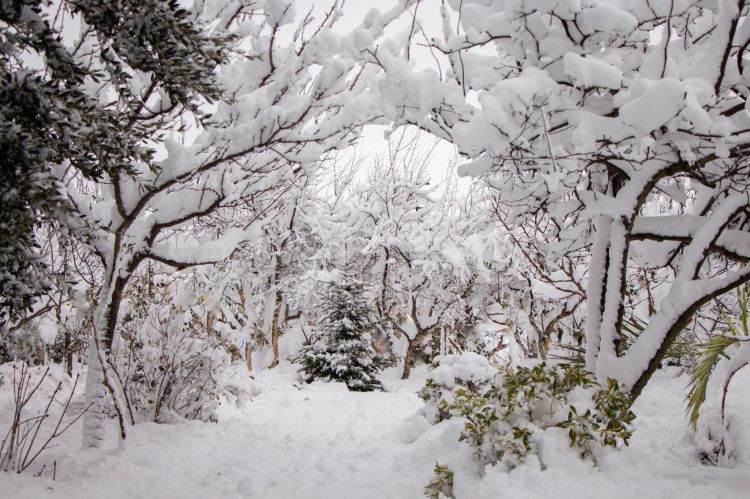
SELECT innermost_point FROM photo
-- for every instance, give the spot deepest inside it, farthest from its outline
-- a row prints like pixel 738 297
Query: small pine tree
pixel 344 349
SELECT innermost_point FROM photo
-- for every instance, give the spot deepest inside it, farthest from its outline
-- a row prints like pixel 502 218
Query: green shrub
pixel 503 415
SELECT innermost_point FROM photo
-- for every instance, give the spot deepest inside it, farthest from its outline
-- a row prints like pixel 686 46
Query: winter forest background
pixel 440 248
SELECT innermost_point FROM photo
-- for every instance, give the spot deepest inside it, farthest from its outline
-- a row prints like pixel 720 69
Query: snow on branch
pixel 733 243
pixel 182 255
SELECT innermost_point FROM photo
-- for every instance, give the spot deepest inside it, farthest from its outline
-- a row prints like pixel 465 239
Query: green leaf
pixel 712 351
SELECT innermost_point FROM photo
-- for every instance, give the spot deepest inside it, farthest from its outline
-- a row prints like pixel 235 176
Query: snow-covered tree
pixel 342 350
pixel 57 322
pixel 287 254
pixel 541 291
pixel 83 106
pixel 623 126
pixel 261 288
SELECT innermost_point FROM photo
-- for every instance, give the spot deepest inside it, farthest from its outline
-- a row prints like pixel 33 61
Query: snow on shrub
pixel 170 364
pixel 467 371
pixel 441 484
pixel 506 412
pixel 37 405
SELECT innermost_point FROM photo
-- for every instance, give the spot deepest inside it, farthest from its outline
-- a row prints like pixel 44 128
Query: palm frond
pixel 712 351
pixel 742 300
pixel 575 354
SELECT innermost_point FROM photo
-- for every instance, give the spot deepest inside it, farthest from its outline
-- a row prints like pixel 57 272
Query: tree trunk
pixel 595 290
pixel 96 398
pixel 687 294
pixel 278 303
pixel 610 342
pixel 68 346
pixel 408 360
pixel 276 329
pixel 249 357
pixel 98 380
pixel 411 350
pixel 676 326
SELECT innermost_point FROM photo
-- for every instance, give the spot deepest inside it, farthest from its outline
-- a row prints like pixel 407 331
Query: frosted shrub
pixel 169 363
pixel 35 410
pixel 467 373
pixel 505 414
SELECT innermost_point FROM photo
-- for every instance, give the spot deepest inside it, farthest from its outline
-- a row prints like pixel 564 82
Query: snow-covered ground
pixel 322 441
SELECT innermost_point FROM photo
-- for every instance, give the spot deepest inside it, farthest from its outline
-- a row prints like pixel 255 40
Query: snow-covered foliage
pixel 505 413
pixel 453 372
pixel 342 349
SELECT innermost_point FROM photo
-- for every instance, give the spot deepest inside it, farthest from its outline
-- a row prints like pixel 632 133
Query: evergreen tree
pixel 344 349
pixel 91 106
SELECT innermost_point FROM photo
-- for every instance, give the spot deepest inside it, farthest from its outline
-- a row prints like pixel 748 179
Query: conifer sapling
pixel 343 348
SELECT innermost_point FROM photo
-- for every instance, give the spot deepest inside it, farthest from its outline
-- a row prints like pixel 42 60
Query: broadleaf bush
pixel 506 410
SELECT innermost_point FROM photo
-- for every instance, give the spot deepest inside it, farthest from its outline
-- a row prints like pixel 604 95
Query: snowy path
pixel 317 442
pixel 320 442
